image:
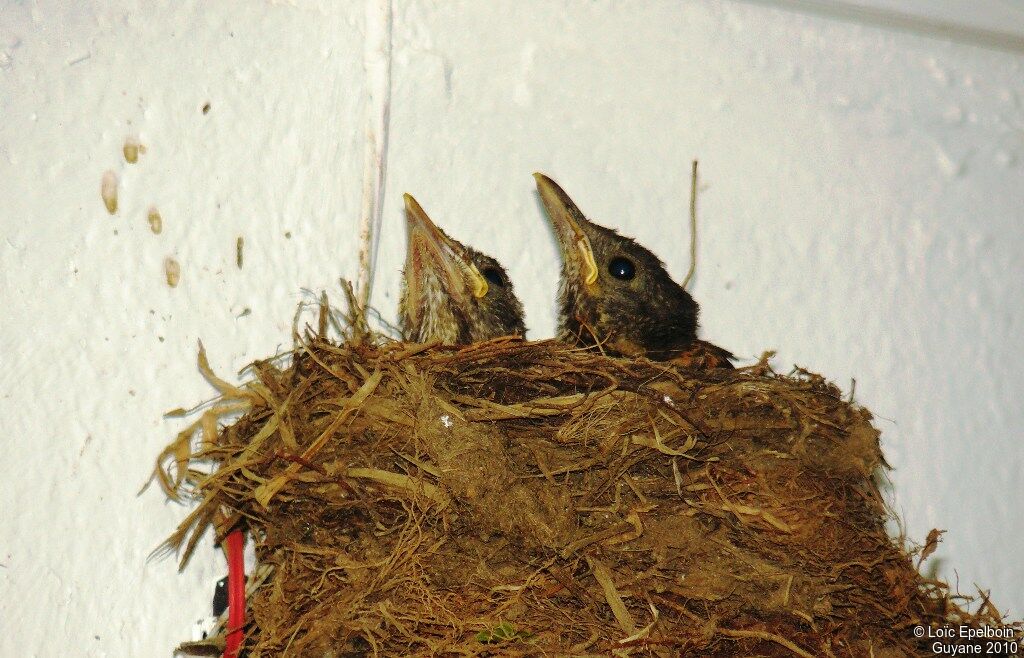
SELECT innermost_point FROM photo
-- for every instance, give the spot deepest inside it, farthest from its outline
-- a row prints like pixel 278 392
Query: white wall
pixel 861 214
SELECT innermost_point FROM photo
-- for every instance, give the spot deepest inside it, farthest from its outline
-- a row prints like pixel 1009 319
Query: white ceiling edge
pixel 994 24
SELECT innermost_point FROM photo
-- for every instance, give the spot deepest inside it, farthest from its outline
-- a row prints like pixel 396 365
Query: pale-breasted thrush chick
pixel 452 293
pixel 617 294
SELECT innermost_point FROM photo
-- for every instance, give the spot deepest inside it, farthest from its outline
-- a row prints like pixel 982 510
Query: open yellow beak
pixel 429 243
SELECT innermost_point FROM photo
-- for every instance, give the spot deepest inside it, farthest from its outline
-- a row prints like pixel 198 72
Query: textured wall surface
pixel 860 212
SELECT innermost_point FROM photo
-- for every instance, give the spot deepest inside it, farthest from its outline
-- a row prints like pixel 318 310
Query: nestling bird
pixel 450 292
pixel 615 293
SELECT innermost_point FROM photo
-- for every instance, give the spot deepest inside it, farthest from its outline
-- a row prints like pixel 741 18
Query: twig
pixel 888 19
pixel 762 635
pixel 693 226
pixel 377 60
pixel 603 575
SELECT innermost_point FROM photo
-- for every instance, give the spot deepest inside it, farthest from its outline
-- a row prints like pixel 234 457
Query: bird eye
pixel 622 268
pixel 494 276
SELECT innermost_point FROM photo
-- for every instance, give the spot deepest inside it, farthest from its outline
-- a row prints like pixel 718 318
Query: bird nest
pixel 516 498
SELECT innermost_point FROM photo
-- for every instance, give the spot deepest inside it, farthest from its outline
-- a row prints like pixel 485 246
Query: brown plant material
pixel 524 499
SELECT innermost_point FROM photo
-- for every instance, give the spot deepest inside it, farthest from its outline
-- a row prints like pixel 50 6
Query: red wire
pixel 236 593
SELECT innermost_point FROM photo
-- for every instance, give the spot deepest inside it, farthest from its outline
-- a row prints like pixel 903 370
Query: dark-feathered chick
pixel 450 292
pixel 616 293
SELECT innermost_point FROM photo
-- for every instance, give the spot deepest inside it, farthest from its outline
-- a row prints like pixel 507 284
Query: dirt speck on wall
pixel 108 191
pixel 156 222
pixel 131 150
pixel 172 271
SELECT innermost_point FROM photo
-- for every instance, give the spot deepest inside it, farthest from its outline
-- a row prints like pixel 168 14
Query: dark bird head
pixel 450 292
pixel 613 291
